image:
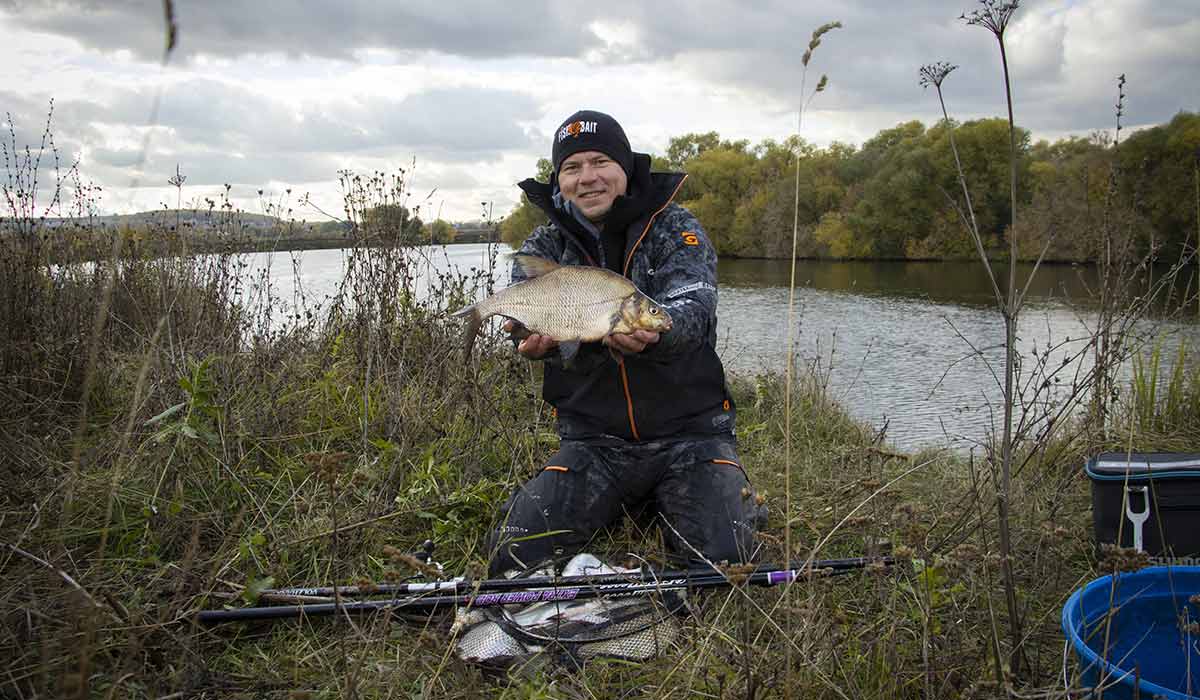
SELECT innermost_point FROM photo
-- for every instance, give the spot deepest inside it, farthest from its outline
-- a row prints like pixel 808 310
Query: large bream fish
pixel 568 303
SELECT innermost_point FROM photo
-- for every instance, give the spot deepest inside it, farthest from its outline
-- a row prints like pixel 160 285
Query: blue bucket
pixel 1150 652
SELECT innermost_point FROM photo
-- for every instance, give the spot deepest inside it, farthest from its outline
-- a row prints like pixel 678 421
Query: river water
pixel 913 346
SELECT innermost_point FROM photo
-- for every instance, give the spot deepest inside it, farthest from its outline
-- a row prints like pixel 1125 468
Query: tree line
pixel 405 226
pixel 897 195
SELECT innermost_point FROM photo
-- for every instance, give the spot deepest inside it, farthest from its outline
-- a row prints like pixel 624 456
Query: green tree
pixel 898 197
pixel 439 232
pixel 840 239
pixel 1157 175
pixel 393 223
pixel 719 180
pixel 517 226
pixel 1068 183
pixel 684 148
pixel 895 197
pixel 983 147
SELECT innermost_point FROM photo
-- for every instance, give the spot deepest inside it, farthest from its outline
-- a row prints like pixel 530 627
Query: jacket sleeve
pixel 685 284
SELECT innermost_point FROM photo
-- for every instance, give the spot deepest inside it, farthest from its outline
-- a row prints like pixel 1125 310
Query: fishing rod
pixel 463 585
pixel 548 589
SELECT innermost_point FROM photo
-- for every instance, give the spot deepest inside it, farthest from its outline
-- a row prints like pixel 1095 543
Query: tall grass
pixel 235 440
pixel 1164 401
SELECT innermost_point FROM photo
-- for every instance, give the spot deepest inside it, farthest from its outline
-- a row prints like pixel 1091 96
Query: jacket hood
pixel 646 193
pixel 647 190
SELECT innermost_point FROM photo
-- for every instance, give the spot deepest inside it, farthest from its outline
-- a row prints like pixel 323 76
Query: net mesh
pixel 636 628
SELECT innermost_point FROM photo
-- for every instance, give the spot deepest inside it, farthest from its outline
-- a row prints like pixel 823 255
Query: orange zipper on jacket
pixel 625 272
pixel 628 399
pixel 638 242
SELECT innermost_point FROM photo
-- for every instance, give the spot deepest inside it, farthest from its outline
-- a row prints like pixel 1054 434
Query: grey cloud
pixel 454 123
pixel 477 28
pixel 1064 58
pixel 1058 82
pixel 116 157
pixel 28 144
pixel 225 133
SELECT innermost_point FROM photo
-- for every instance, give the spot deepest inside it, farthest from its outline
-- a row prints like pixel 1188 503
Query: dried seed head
pixel 859 520
pixel 1122 559
pixel 993 15
pixel 934 73
pixel 816 40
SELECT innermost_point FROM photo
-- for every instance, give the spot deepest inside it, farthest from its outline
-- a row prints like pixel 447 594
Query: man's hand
pixel 631 343
pixel 533 346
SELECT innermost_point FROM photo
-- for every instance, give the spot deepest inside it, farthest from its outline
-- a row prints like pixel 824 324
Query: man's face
pixel 591 181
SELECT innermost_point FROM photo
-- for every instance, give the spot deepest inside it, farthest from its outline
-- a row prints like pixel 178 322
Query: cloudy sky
pixel 464 94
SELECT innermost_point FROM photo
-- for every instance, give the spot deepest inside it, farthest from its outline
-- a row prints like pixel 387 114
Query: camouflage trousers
pixel 696 489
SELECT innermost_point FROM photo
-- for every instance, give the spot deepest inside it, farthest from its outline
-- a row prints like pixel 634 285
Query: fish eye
pixel 654 310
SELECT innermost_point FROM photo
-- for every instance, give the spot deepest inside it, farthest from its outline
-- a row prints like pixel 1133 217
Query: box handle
pixel 1138 519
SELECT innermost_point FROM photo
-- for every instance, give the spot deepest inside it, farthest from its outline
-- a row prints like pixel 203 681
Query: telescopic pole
pixel 461 585
pixel 545 589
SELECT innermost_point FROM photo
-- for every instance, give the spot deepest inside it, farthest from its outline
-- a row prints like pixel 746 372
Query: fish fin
pixel 519 331
pixel 568 349
pixel 474 322
pixel 533 266
pixel 614 322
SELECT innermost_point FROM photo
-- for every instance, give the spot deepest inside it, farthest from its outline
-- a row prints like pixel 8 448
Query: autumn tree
pixel 517 226
pixel 439 232
pixel 394 223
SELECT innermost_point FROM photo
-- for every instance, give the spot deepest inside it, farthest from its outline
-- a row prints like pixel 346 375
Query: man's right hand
pixel 534 346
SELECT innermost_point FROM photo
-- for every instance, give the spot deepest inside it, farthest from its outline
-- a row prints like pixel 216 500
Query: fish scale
pixel 569 303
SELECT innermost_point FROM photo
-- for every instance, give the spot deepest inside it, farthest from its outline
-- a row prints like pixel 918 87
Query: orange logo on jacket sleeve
pixel 690 238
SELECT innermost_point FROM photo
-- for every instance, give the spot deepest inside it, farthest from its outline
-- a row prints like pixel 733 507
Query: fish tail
pixel 474 322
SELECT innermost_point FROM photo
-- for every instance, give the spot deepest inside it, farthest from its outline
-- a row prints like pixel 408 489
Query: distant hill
pixel 186 218
pixel 204 229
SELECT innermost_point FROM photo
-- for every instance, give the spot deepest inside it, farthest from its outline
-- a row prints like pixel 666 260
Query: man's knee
pixel 558 510
pixel 711 508
pixel 731 540
pixel 513 543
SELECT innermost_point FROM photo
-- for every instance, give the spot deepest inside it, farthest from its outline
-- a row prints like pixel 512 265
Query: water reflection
pixel 954 282
pixel 914 346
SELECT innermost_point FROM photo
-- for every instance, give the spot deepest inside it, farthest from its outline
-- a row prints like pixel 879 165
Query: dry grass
pixel 184 447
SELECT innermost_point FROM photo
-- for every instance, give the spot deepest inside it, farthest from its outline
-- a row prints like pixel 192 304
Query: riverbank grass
pixel 187 450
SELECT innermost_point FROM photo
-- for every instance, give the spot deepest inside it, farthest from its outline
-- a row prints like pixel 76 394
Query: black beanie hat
pixel 587 130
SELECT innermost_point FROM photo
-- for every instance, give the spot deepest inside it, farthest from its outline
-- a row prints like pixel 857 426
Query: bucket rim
pixel 1072 617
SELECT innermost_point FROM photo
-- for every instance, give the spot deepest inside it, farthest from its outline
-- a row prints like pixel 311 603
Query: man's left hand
pixel 631 343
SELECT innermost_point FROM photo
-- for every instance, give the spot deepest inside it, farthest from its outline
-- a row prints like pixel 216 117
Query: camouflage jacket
pixel 676 387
